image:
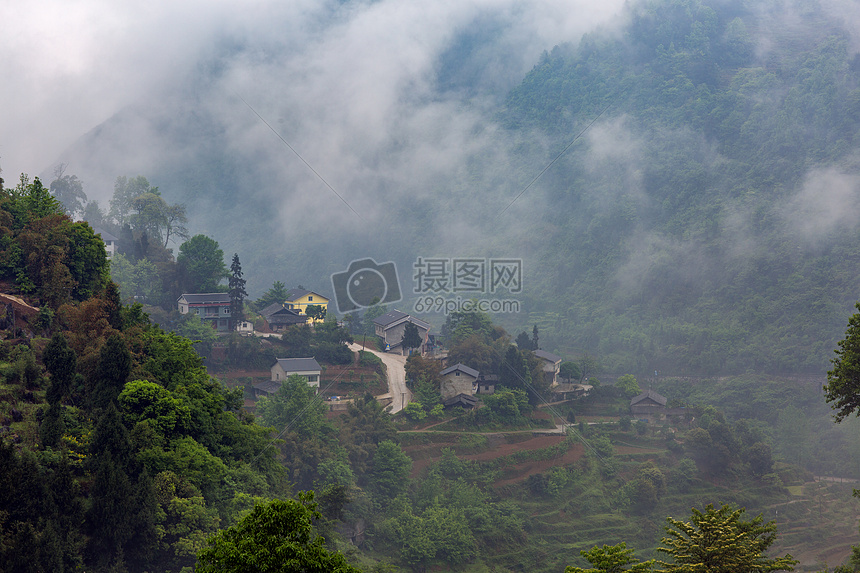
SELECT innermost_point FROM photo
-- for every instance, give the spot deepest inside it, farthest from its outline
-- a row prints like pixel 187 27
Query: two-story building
pixel 308 368
pixel 212 308
pixel 391 326
pixel 458 379
pixel 299 300
pixel 550 364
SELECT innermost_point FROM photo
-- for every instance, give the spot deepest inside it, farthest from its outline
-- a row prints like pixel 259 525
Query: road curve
pixel 396 367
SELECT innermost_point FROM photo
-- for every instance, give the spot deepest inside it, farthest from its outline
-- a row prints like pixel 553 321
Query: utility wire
pixel 297 154
pixel 299 416
pixel 551 163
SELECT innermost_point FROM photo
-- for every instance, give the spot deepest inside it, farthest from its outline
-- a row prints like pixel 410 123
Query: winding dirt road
pixel 396 367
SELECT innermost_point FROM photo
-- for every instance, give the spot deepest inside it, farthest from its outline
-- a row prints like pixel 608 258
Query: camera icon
pixel 364 283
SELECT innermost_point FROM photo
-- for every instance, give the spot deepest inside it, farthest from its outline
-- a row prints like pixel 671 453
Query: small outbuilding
pixel 648 404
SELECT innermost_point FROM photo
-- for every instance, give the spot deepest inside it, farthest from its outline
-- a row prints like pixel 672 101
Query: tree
pixel 390 471
pixel 175 221
pixel 294 406
pixel 148 214
pixel 535 338
pixel 411 337
pixel 69 191
pixel 203 262
pixel 569 370
pixel 524 342
pixel 628 385
pixel 61 362
pixel 277 294
pixel 277 536
pixel 842 390
pixel 93 214
pixel 125 190
pixel 717 541
pixel 588 366
pixel 236 284
pixel 316 312
pixel 611 559
pixel 113 369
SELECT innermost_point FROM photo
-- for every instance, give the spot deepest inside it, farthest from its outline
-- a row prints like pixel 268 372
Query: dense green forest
pixel 713 234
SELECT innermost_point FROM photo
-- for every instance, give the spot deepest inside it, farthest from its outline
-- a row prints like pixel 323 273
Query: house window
pixel 310 299
pixel 457 373
pixel 226 310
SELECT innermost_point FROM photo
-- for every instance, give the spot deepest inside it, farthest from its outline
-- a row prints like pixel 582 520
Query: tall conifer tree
pixel 237 293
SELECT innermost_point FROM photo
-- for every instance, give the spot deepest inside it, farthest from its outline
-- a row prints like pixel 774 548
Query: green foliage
pixel 294 406
pixel 612 559
pixel 411 337
pixel 843 381
pixel 277 294
pixel 203 264
pixel 277 536
pixel 390 470
pixel 414 411
pixel 628 385
pixel 141 400
pixel 717 540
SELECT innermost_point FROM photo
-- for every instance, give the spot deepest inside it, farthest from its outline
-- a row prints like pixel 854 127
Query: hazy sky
pixel 69 65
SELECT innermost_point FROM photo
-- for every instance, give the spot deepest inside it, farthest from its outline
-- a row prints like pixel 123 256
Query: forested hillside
pixel 726 231
pixel 704 219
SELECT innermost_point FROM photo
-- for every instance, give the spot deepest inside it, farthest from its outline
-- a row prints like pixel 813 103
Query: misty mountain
pixel 699 212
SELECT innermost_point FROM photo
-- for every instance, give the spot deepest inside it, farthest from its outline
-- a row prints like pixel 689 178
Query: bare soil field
pixel 500 445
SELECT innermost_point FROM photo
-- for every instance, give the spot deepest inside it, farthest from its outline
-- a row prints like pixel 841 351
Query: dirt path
pixel 395 365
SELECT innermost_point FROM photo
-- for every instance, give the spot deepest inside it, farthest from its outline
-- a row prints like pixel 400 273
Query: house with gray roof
pixel 308 368
pixel 648 404
pixel 279 318
pixel 391 326
pixel 109 240
pixel 458 379
pixel 550 364
pixel 212 308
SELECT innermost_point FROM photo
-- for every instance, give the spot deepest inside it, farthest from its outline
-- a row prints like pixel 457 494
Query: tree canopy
pixel 717 541
pixel 276 537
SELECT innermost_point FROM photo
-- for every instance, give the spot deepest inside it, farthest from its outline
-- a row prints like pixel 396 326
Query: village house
pixel 308 368
pixel 649 404
pixel 391 326
pixel 300 299
pixel 109 240
pixel 550 364
pixel 279 318
pixel 458 379
pixel 486 383
pixel 212 308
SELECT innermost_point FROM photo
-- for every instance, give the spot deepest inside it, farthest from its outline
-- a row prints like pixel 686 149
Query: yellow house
pixel 299 300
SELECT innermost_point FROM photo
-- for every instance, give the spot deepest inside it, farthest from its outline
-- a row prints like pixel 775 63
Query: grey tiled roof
pixel 206 297
pixel 547 355
pixel 649 394
pixel 104 234
pixel 396 316
pixel 388 318
pixel 462 368
pixel 299 364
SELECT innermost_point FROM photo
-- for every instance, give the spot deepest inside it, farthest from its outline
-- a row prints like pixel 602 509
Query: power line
pixel 551 163
pixel 297 154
